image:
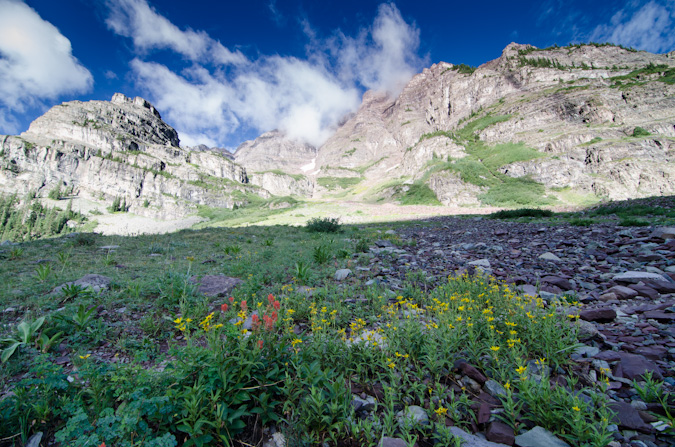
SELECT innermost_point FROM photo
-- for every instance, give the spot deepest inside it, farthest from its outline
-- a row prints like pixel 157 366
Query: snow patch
pixel 311 165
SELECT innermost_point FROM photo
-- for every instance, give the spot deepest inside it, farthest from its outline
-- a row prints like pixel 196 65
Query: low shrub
pixel 323 225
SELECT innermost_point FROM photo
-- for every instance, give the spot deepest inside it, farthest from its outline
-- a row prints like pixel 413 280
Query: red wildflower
pixel 223 307
pixel 270 298
pixel 244 307
pixel 260 344
pixel 231 299
pixel 255 321
pixel 276 305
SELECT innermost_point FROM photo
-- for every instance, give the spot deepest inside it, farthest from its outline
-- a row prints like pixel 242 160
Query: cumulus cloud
pixel 149 30
pixel 648 28
pixel 214 98
pixel 36 63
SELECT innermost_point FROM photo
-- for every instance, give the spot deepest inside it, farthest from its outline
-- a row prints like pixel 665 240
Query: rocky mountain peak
pixel 120 124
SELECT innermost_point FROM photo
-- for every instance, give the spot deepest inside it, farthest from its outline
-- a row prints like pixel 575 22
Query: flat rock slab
pixel 342 274
pixel 95 283
pixel 634 366
pixel 215 285
pixel 601 315
pixel 472 440
pixel 635 277
pixel 539 437
pixel 628 417
pixel 661 316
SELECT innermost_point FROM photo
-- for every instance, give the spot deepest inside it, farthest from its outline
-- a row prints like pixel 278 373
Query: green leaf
pixel 9 351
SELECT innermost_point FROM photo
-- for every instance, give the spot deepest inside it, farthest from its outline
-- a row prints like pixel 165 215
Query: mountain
pixel 535 126
pixel 104 150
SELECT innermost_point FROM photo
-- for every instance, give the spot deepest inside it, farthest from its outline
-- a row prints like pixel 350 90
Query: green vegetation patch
pixel 31 220
pixel 522 212
pixel 332 183
pixel 419 194
pixel 640 76
pixel 481 167
pixel 520 191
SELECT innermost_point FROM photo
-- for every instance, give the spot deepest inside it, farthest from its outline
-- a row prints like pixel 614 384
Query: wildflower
pixel 521 370
pixel 223 307
pixel 391 365
pixel 575 408
pixel 244 306
pixel 84 357
pixel 494 348
pixel 255 321
pixel 190 258
pixel 295 341
pixel 441 411
pixel 231 299
pixel 507 385
pixel 260 344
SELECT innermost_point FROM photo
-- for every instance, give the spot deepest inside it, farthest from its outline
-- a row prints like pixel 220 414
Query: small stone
pixel 34 441
pixel 412 415
pixel 587 351
pixel 501 433
pixel 472 440
pixel 95 283
pixel 548 256
pixel 603 315
pixel 481 263
pixel 215 285
pixel 342 274
pixel 110 247
pixel 393 442
pixel 664 233
pixel 636 277
pixel 622 292
pixel 539 437
pixel 494 388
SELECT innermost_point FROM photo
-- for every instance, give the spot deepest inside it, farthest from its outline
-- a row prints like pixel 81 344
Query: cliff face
pixel 120 148
pixel 531 127
pixel 564 118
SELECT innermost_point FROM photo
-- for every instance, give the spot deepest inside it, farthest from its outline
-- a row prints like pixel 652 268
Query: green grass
pixel 332 183
pixel 639 76
pixel 296 177
pixel 481 167
pixel 164 365
pixel 258 210
pixel 419 194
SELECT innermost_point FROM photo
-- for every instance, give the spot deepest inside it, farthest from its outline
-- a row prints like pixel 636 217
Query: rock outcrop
pixel 592 119
pixel 121 148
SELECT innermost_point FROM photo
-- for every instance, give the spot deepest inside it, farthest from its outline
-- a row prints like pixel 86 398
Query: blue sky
pixel 222 72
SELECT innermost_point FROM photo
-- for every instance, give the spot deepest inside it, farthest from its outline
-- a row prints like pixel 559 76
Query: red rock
pixel 628 417
pixel 599 314
pixel 632 366
pixel 645 291
pixel 659 316
pixel 500 433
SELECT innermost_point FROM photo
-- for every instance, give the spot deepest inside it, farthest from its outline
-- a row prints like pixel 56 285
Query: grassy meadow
pixel 152 362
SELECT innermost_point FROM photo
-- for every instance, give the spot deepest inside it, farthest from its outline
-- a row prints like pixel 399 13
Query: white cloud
pixel 149 30
pixel 36 63
pixel 306 98
pixel 649 28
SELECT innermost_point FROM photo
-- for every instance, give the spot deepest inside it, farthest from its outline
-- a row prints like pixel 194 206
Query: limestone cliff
pixel 120 148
